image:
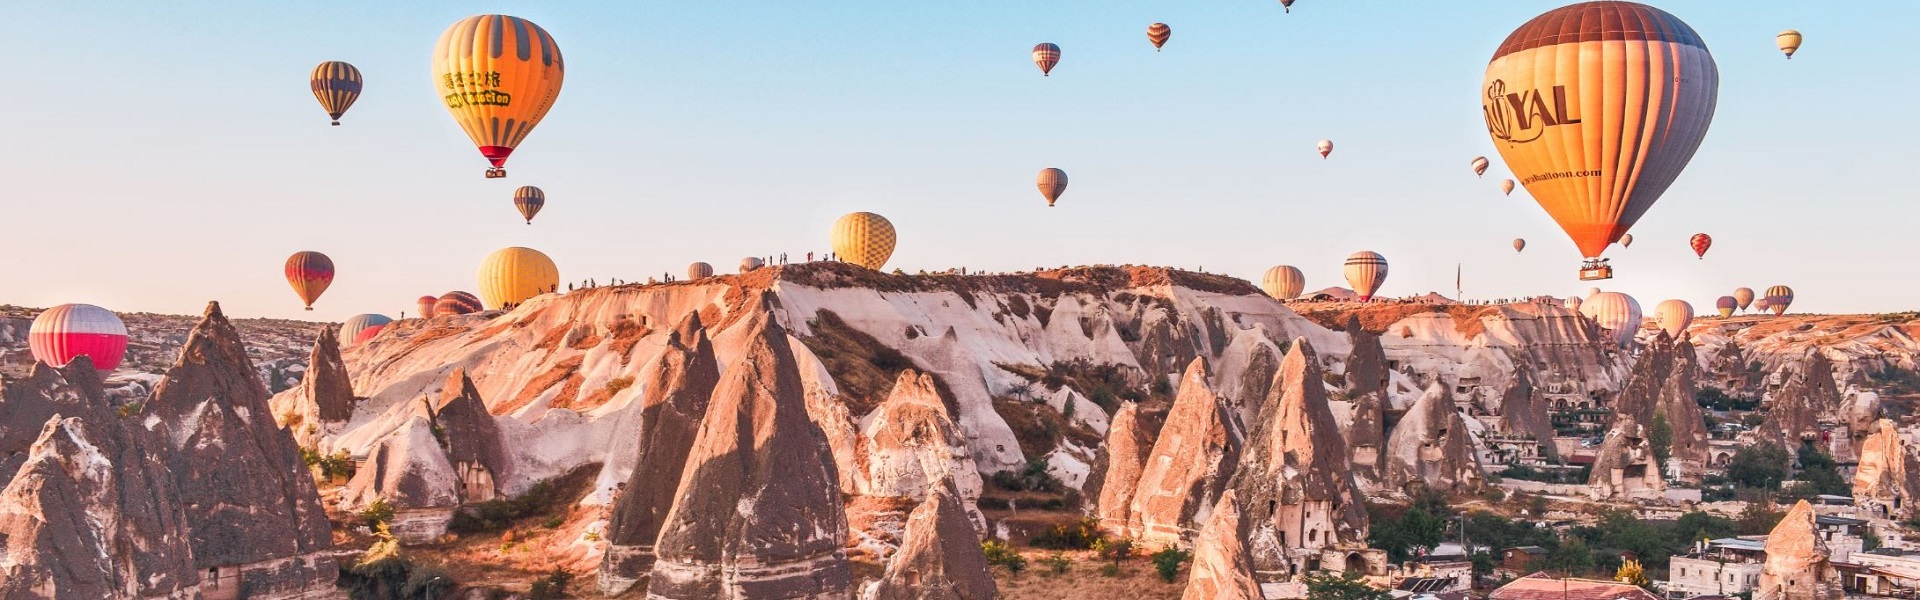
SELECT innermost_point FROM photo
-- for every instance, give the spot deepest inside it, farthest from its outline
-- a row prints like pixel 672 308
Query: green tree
pixel 1820 473
pixel 1762 465
pixel 1344 586
pixel 1757 519
pixel 1399 535
pixel 1166 562
pixel 1571 558
pixel 1661 438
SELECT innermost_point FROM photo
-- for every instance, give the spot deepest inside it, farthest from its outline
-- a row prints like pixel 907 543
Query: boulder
pixel 1626 467
pixel 1430 447
pixel 1797 565
pixel 939 557
pixel 1222 569
pixel 1189 466
pixel 911 444
pixel 324 399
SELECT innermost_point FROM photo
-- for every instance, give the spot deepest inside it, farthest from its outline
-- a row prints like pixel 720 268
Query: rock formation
pixel 912 444
pixel 758 512
pixel 1859 411
pixel 324 398
pixel 1626 467
pixel 1526 413
pixel 939 556
pixel 92 511
pixel 1126 453
pixel 1222 569
pixel 1659 394
pixel 1431 447
pixel 409 471
pixel 1189 466
pixel 471 438
pixel 1796 567
pixel 1887 480
pixel 1367 379
pixel 672 404
pixel 1807 396
pixel 27 404
pixel 1246 371
pixel 254 515
pixel 1294 477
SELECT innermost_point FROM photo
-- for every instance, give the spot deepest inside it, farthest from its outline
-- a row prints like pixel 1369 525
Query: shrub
pixel 553 586
pixel 498 514
pixel 1034 478
pixel 1166 562
pixel 999 554
pixel 1110 570
pixel 615 385
pixel 1115 549
pixel 1058 563
pixel 1083 535
pixel 377 514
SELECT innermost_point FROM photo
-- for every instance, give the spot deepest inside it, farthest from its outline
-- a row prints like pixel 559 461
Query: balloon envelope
pixel 1788 41
pixel 1506 187
pixel 1052 183
pixel 1046 55
pixel 350 330
pixel 309 273
pixel 751 263
pixel 1778 298
pixel 1325 147
pixel 1626 241
pixel 529 200
pixel 1700 242
pixel 1480 165
pixel 497 75
pixel 864 239
pixel 699 270
pixel 336 85
pixel 1572 303
pixel 1158 33
pixel 1673 316
pixel 510 276
pixel 1597 107
pixel 1618 313
pixel 1365 271
pixel 1726 304
pixel 1283 282
pixel 1519 244
pixel 68 331
pixel 1744 296
pixel 456 303
pixel 425 305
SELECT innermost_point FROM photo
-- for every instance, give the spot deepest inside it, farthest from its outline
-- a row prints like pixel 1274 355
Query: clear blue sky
pixel 159 155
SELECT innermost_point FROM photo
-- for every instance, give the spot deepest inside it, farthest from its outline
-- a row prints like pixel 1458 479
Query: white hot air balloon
pixel 1616 312
pixel 1326 147
pixel 1572 303
pixel 1283 282
pixel 1365 271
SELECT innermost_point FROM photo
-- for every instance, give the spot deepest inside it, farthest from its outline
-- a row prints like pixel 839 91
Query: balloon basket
pixel 496 173
pixel 1596 273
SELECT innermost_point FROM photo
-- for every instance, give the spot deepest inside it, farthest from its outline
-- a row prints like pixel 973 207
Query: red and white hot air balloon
pixel 68 331
pixel 1325 147
pixel 1700 243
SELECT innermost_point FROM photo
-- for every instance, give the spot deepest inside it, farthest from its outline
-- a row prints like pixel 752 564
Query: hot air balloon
pixel 1519 244
pixel 699 270
pixel 1286 5
pixel 350 330
pixel 1046 55
pixel 1626 241
pixel 529 200
pixel 1283 282
pixel 1326 147
pixel 1506 187
pixel 1572 303
pixel 336 85
pixel 497 75
pixel 1744 296
pixel 1673 316
pixel 1760 305
pixel 309 273
pixel 510 276
pixel 1365 271
pixel 1778 298
pixel 1616 312
pixel 1597 107
pixel 425 305
pixel 365 335
pixel 68 331
pixel 864 239
pixel 1158 34
pixel 1052 183
pixel 751 263
pixel 1700 243
pixel 1480 165
pixel 1591 291
pixel 456 303
pixel 1726 304
pixel 1788 41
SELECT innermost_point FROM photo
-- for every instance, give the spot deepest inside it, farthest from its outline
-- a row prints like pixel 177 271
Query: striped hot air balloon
pixel 1744 295
pixel 456 303
pixel 1283 282
pixel 309 273
pixel 1788 41
pixel 510 276
pixel 336 85
pixel 1597 107
pixel 366 334
pixel 529 200
pixel 350 330
pixel 68 331
pixel 751 263
pixel 1618 313
pixel 1480 165
pixel 699 270
pixel 1778 298
pixel 1572 303
pixel 1726 304
pixel 1046 55
pixel 1052 183
pixel 498 76
pixel 1365 271
pixel 1673 316
pixel 1158 33
pixel 864 239
pixel 1700 242
pixel 425 305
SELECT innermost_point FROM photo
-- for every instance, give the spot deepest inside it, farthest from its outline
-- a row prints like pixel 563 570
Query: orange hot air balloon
pixel 425 305
pixel 1159 33
pixel 1700 243
pixel 1052 183
pixel 309 273
pixel 497 75
pixel 1597 107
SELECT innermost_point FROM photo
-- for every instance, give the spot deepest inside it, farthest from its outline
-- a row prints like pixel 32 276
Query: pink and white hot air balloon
pixel 65 332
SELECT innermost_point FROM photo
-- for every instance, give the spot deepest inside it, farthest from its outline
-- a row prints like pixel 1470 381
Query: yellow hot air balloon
pixel 1788 41
pixel 1365 271
pixel 497 75
pixel 1283 282
pixel 1597 107
pixel 1673 316
pixel 864 239
pixel 336 85
pixel 510 276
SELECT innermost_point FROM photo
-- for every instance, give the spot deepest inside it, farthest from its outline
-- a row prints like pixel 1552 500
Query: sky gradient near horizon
pixel 164 155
